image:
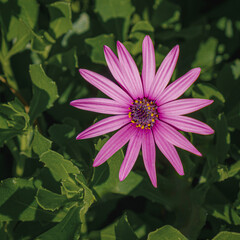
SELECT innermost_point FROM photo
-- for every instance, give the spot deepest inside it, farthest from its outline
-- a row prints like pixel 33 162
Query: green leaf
pixel 165 14
pixel 205 57
pixel 60 18
pixel 207 91
pixel 68 228
pixel 233 116
pixel 115 16
pixel 49 200
pixel 58 166
pixel 29 11
pixel 96 47
pixel 166 233
pixel 13 120
pixel 227 236
pixel 223 138
pixel 18 202
pixel 123 229
pixel 65 61
pixel 21 32
pixel 40 143
pixel 138 32
pixel 44 91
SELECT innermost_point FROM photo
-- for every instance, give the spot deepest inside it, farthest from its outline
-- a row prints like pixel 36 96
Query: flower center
pixel 143 113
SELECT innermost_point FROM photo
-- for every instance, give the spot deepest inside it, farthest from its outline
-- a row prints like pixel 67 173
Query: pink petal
pixel 188 124
pixel 130 71
pixel 116 69
pixel 174 137
pixel 131 155
pixel 149 65
pixel 100 105
pixel 164 73
pixel 104 126
pixel 117 141
pixel 183 106
pixel 149 156
pixel 179 86
pixel 106 86
pixel 169 151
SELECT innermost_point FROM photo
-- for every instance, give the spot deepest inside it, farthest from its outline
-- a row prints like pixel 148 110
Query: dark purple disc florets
pixel 143 113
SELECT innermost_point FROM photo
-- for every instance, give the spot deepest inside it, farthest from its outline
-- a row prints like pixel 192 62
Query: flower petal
pixel 117 141
pixel 100 105
pixel 176 138
pixel 183 106
pixel 149 65
pixel 106 86
pixel 149 156
pixel 179 86
pixel 131 155
pixel 188 124
pixel 130 71
pixel 169 151
pixel 164 73
pixel 116 69
pixel 104 126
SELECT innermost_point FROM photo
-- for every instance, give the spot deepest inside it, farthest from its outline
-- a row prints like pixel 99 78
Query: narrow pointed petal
pixel 169 151
pixel 179 86
pixel 117 141
pixel 130 71
pixel 174 137
pixel 131 155
pixel 188 124
pixel 183 106
pixel 149 156
pixel 104 126
pixel 164 73
pixel 100 105
pixel 106 86
pixel 116 69
pixel 149 64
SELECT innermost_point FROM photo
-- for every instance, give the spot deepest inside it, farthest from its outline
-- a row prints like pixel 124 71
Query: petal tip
pixel 95 164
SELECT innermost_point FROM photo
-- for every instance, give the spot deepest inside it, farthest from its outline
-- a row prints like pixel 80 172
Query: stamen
pixel 143 113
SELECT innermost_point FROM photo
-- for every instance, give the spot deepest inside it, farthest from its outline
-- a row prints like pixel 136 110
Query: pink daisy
pixel 145 109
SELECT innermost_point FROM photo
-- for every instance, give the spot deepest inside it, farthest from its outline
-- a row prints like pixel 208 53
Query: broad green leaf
pixel 205 57
pixel 81 25
pixel 18 202
pixel 96 47
pixel 58 166
pixel 49 200
pixel 40 143
pixel 123 229
pixel 44 91
pixel 228 81
pixel 115 16
pixel 166 233
pixel 21 32
pixel 138 32
pixel 203 90
pixel 68 228
pixel 13 120
pixel 60 18
pixel 227 236
pixel 29 11
pixel 165 14
pixel 223 138
pixel 233 116
pixel 65 61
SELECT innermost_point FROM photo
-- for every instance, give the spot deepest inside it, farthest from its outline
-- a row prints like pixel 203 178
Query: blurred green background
pixel 49 189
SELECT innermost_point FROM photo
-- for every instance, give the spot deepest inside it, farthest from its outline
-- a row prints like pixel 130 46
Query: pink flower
pixel 145 109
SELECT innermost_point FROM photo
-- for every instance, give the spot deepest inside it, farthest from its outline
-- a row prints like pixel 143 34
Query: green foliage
pixel 48 187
